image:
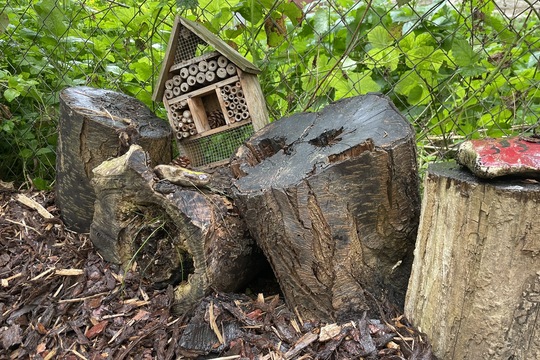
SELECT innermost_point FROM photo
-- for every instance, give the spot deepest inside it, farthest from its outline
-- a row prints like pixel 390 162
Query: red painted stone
pixel 490 158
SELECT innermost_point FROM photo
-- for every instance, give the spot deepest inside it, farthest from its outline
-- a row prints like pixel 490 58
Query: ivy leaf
pixel 463 53
pixel 10 94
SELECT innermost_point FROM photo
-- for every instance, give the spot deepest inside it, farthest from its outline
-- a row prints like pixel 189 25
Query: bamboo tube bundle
pixel 235 102
pixel 181 120
pixel 178 84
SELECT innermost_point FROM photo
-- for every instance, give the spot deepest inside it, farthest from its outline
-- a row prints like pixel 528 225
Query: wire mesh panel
pixel 189 46
pixel 214 149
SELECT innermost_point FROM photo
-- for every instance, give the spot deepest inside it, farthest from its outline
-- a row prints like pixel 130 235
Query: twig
pixel 118 4
pixel 5 282
pixel 23 225
pixel 43 274
pixel 31 203
pixel 82 298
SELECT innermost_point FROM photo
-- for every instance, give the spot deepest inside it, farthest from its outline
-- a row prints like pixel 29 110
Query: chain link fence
pixel 455 69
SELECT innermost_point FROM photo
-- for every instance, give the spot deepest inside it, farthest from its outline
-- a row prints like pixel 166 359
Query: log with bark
pixel 188 237
pixel 332 198
pixel 475 282
pixel 96 125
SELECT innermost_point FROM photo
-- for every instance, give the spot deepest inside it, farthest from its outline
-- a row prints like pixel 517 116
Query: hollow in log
pixel 475 283
pixel 187 237
pixel 332 199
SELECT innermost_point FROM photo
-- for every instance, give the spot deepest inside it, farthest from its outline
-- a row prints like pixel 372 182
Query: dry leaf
pixel 96 329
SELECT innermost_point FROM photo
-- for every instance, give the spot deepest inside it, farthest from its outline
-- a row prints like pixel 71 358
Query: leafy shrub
pixel 456 71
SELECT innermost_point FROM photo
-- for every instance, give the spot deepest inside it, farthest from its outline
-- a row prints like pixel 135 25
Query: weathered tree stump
pixel 178 235
pixel 332 199
pixel 94 126
pixel 475 282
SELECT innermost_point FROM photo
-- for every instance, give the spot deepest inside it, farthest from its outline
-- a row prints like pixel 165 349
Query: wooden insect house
pixel 212 95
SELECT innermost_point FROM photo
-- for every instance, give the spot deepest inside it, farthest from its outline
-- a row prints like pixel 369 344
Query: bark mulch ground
pixel 60 300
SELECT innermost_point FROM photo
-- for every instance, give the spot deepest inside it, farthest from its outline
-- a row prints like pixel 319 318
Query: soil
pixel 60 300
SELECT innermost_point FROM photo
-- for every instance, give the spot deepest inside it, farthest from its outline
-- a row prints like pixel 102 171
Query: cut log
pixel 96 125
pixel 475 283
pixel 176 235
pixel 332 199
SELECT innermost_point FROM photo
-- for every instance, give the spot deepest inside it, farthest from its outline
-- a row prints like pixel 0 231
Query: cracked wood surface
pixel 332 199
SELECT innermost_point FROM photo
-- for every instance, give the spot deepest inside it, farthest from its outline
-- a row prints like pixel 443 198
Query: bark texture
pixel 177 235
pixel 332 199
pixel 96 125
pixel 475 283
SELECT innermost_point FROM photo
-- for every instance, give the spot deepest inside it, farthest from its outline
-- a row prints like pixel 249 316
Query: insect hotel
pixel 213 99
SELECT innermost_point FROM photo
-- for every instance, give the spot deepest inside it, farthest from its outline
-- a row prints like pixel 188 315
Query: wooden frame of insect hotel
pixel 212 95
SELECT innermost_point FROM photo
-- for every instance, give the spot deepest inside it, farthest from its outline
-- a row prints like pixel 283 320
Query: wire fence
pixel 455 69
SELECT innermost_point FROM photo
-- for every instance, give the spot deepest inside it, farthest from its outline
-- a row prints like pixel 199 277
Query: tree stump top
pixel 460 174
pixel 115 110
pixel 314 141
pixel 332 199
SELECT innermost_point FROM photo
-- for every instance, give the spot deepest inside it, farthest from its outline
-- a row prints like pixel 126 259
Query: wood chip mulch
pixel 60 300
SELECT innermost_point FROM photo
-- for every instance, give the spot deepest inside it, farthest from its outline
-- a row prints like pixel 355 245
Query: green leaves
pixel 4 22
pixel 463 53
pixel 445 67
pixel 10 94
pixel 51 17
pixel 380 38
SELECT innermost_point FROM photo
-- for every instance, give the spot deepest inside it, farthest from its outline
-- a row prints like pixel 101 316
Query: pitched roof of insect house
pixel 188 42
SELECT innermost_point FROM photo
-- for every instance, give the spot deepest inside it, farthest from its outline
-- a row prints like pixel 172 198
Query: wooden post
pixel 475 283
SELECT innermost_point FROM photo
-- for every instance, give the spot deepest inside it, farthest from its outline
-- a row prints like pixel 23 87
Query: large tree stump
pixel 475 283
pixel 177 235
pixel 332 199
pixel 94 126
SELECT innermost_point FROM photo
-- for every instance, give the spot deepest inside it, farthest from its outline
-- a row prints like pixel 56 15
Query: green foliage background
pixel 456 71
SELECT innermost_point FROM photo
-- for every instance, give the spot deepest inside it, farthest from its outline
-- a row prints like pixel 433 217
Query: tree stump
pixel 332 199
pixel 94 126
pixel 177 235
pixel 475 283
